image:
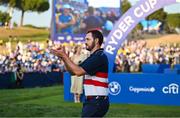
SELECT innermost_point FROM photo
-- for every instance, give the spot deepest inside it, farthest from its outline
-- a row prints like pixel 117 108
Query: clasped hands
pixel 59 52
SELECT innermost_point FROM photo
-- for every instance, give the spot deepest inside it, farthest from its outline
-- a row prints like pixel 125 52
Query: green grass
pixel 24 34
pixel 49 102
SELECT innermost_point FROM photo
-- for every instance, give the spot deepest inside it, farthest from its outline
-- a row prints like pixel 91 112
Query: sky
pixel 44 19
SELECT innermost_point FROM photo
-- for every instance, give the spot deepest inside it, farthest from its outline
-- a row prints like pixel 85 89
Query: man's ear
pixel 97 41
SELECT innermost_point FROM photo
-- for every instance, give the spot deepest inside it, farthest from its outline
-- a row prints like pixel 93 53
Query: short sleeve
pixel 91 65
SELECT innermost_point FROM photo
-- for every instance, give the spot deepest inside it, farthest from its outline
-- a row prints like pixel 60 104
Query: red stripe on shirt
pixel 95 83
pixel 102 75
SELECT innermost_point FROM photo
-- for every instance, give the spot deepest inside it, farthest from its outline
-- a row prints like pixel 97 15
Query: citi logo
pixel 171 89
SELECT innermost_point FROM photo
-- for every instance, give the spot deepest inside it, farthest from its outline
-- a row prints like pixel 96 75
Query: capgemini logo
pixel 139 90
pixel 114 88
pixel 171 89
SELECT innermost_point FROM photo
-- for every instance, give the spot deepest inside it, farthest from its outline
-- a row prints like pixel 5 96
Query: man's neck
pixel 95 48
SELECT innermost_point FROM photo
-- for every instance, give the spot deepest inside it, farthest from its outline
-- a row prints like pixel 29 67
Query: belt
pixel 96 97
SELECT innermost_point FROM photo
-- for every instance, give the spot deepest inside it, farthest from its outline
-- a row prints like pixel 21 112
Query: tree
pixel 4 17
pixel 27 5
pixel 125 6
pixel 11 3
pixel 158 15
pixel 172 22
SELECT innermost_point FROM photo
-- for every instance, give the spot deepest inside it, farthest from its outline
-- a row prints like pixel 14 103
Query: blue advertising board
pixel 145 88
pixel 161 89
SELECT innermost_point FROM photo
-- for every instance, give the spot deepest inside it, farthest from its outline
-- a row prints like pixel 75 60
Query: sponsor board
pixel 171 89
pixel 114 88
pixel 142 90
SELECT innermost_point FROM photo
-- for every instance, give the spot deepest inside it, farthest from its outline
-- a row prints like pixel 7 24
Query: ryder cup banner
pixel 127 22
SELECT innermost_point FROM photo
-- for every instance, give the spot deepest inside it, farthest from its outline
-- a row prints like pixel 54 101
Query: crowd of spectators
pixel 35 57
pixel 135 53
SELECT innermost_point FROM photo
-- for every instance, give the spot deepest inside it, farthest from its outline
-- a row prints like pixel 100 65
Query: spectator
pixel 66 20
pixel 126 66
pixel 77 81
pixel 19 76
pixel 91 21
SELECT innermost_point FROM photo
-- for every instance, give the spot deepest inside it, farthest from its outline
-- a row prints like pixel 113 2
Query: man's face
pixel 90 42
pixel 66 11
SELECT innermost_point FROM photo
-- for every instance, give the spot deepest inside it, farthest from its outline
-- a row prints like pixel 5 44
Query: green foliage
pixel 158 15
pixel 11 3
pixel 32 5
pixel 4 17
pixel 173 20
pixel 125 6
pixel 27 5
pixel 15 24
pixel 41 5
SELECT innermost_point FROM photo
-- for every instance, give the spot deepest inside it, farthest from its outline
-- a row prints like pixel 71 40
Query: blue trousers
pixel 95 107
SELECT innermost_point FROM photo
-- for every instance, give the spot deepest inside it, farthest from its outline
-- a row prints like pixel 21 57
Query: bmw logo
pixel 114 88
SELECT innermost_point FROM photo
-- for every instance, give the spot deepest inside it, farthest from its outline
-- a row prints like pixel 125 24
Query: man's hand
pixel 70 65
pixel 60 51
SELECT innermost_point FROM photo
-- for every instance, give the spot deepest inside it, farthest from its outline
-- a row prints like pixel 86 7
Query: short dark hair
pixel 90 10
pixel 96 34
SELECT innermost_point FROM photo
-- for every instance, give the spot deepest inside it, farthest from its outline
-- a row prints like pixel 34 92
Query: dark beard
pixel 91 47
